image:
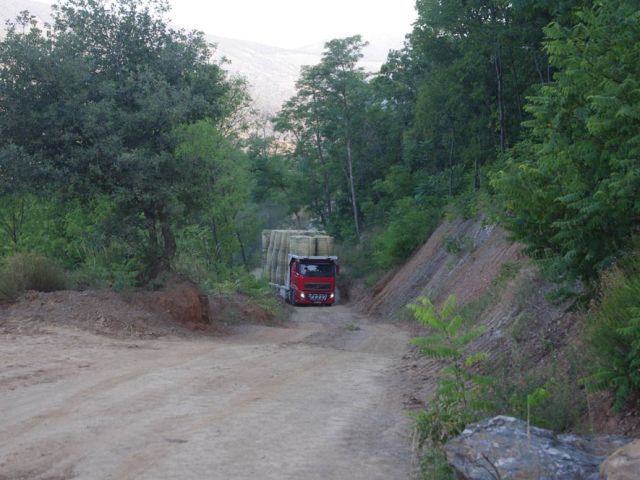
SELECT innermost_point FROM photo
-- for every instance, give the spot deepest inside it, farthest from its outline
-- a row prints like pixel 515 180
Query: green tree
pixel 97 100
pixel 218 197
pixel 570 188
pixel 326 119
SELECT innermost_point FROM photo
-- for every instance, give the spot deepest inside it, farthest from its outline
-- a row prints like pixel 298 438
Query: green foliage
pixel 461 389
pixel 547 397
pixel 508 271
pixel 613 333
pixel 570 187
pixel 29 271
pixel 93 107
pixel 257 290
pixel 410 225
pixel 458 246
pixel 326 119
pixel 435 466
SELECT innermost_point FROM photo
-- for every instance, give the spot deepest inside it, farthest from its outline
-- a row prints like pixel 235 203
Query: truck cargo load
pixel 301 265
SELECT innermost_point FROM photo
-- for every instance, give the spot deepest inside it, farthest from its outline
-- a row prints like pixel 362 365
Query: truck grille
pixel 317 297
pixel 318 286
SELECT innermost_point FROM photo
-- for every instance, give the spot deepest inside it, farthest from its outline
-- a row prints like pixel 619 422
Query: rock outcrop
pixel 623 464
pixel 503 447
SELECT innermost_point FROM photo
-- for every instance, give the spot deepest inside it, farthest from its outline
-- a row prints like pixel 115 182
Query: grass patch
pixel 29 271
pixel 508 271
pixel 351 327
pixel 458 246
pixel 550 397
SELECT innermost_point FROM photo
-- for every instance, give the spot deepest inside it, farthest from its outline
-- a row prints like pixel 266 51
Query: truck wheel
pixel 292 298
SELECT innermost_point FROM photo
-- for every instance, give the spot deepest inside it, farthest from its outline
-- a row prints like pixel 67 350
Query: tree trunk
pixel 327 192
pixel 451 166
pixel 242 251
pixel 214 234
pixel 354 203
pixel 503 133
pixel 169 244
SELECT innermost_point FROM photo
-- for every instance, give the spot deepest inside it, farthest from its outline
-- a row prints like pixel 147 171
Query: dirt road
pixel 316 400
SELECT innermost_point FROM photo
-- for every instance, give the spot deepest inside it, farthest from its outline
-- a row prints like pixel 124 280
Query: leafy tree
pixel 97 99
pixel 325 119
pixel 570 188
pixel 218 197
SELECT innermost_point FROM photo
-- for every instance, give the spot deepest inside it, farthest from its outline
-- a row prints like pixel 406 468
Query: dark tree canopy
pixel 96 98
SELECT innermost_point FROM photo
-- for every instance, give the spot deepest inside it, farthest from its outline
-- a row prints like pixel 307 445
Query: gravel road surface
pixel 316 400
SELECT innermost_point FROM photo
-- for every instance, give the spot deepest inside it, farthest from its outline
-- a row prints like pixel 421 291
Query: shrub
pixel 113 266
pixel 29 271
pixel 410 226
pixel 460 397
pixel 547 397
pixel 257 290
pixel 613 333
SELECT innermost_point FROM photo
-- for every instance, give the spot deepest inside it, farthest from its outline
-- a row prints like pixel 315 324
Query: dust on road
pixel 317 400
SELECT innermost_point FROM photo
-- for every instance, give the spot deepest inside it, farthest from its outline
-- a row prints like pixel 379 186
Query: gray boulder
pixel 624 464
pixel 501 448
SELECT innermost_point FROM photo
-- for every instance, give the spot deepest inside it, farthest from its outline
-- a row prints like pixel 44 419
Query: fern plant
pixel 461 393
pixel 614 335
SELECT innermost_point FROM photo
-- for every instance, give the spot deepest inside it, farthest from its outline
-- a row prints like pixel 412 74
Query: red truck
pixel 301 266
pixel 311 280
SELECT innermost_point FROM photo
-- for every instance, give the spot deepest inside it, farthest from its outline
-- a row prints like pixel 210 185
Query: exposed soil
pixel 500 291
pixel 319 399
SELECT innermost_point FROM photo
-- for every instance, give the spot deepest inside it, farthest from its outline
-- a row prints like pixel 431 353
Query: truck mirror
pixel 337 269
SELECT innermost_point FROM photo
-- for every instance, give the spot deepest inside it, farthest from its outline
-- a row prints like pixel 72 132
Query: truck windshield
pixel 317 269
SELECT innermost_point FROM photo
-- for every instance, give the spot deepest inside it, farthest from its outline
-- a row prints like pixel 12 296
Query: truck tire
pixel 291 296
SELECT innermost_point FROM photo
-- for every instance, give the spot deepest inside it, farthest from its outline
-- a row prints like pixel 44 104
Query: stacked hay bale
pixel 325 245
pixel 266 237
pixel 278 244
pixel 302 245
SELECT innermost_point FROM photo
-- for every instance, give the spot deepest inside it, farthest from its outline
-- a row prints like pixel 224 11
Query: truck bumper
pixel 312 298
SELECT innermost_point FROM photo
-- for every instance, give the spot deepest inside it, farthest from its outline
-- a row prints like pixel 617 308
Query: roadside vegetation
pixel 523 112
pixel 125 159
pixel 124 154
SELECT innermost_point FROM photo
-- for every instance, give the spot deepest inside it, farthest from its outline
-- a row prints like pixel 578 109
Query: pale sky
pixel 295 23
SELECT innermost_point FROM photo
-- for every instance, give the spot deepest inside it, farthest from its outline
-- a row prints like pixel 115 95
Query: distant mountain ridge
pixel 270 71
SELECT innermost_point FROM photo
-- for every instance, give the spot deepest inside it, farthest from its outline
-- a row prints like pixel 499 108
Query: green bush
pixel 461 394
pixel 613 333
pixel 113 266
pixel 29 271
pixel 410 226
pixel 547 397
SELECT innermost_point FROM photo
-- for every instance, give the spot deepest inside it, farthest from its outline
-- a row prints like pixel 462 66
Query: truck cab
pixel 312 280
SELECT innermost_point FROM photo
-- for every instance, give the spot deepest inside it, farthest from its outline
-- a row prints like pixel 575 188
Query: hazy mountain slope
pixel 271 71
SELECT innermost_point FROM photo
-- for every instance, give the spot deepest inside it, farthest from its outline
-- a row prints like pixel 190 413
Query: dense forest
pixel 126 153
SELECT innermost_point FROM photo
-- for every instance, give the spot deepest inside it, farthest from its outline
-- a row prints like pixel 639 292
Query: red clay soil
pixel 183 302
pixel 238 308
pixel 178 309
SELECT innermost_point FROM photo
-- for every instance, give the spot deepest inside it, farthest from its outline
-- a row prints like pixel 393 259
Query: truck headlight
pixel 332 295
pixel 302 295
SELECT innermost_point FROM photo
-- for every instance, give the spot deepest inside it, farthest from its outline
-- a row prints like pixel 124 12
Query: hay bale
pixel 272 255
pixel 325 245
pixel 281 256
pixel 266 240
pixel 302 245
pixel 277 244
